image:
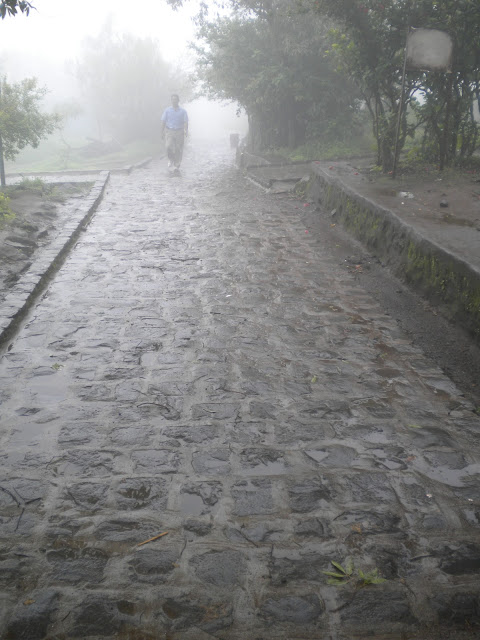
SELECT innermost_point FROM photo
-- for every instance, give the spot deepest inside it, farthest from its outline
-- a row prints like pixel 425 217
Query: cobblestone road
pixel 202 365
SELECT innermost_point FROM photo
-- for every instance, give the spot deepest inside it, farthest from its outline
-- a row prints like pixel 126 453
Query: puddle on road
pixel 49 389
pixel 32 434
pixel 192 505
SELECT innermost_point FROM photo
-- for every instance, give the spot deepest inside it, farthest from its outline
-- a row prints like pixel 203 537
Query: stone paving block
pixel 153 461
pixel 77 566
pixel 253 497
pixel 140 493
pixel 460 559
pixel 124 529
pixel 84 463
pixel 370 612
pixel 224 569
pixel 202 613
pixel 310 495
pixel 209 370
pixel 153 566
pixel 100 615
pixel 303 567
pixel 371 487
pixel 299 610
pixel 462 607
pixel 30 619
pixel 215 462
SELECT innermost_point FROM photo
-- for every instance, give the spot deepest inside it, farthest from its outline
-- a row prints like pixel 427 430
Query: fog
pixel 50 41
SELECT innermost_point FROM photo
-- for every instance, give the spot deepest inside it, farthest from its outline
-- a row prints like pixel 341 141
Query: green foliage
pixel 269 58
pixel 11 7
pixel 256 57
pixel 6 214
pixel 372 577
pixel 22 123
pixel 127 84
pixel 32 184
pixel 367 43
pixel 344 575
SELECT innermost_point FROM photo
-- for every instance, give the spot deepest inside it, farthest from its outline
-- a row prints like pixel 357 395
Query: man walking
pixel 174 131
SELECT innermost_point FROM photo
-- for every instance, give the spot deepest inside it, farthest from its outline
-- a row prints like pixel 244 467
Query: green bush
pixel 6 214
pixel 32 184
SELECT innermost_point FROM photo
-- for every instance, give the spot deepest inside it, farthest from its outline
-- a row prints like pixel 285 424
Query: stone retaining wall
pixel 440 276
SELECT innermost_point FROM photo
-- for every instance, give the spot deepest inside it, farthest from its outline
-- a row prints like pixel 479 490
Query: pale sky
pixel 45 43
pixel 57 28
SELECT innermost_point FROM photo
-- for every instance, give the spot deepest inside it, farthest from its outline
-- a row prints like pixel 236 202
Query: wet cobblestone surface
pixel 203 366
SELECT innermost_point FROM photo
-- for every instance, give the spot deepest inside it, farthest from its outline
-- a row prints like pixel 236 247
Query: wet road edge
pixel 23 295
pixel 437 274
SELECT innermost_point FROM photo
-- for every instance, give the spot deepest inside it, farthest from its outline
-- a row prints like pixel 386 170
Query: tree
pixel 450 132
pixel 126 84
pixel 11 7
pixel 368 45
pixel 22 123
pixel 269 58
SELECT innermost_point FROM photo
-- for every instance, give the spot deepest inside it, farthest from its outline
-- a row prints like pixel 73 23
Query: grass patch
pixel 53 192
pixel 53 155
pixel 322 150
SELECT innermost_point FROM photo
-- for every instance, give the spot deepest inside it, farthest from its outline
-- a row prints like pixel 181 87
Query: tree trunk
pixel 2 165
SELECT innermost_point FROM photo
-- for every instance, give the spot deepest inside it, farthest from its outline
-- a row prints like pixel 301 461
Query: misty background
pixel 64 42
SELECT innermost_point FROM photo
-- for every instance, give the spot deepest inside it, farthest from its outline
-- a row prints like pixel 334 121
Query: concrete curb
pixel 439 275
pixel 22 296
pixel 246 160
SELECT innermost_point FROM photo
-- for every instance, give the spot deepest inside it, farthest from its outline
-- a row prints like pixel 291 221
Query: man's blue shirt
pixel 175 118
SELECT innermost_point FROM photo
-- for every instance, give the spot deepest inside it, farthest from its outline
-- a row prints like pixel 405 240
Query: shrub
pixel 6 214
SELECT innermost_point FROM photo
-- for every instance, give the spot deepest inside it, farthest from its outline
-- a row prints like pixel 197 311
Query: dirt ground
pixel 445 205
pixel 40 213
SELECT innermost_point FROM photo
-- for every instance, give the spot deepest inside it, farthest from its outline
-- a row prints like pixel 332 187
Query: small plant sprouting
pixel 372 577
pixel 344 575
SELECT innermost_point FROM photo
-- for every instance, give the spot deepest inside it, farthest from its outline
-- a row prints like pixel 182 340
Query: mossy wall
pixel 443 278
